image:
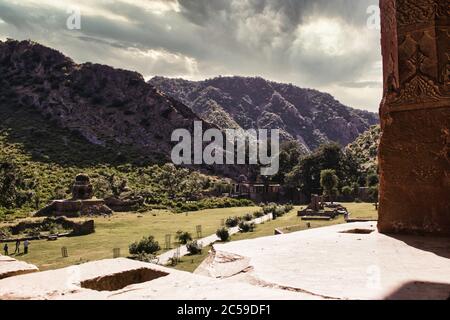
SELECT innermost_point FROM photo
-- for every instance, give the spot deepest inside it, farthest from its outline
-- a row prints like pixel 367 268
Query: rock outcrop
pixel 10 267
pixel 124 279
pixel 306 115
pixel 346 261
pixel 106 106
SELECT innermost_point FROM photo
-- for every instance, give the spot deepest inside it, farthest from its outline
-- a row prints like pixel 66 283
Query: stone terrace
pixel 348 261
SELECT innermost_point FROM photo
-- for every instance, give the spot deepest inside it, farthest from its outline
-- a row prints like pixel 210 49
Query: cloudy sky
pixel 321 44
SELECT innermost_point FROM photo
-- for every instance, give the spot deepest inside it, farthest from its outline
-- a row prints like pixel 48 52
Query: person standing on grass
pixel 26 243
pixel 5 249
pixel 17 251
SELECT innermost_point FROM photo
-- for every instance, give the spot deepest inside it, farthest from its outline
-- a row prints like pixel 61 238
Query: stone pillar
pixel 414 153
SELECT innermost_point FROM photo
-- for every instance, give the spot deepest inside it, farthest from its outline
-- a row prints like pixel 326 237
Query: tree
pixel 347 193
pixel 373 193
pixel 290 154
pixel 223 234
pixel 15 187
pixel 329 183
pixel 170 179
pixel 146 245
pixel 193 185
pixel 372 180
pixel 183 237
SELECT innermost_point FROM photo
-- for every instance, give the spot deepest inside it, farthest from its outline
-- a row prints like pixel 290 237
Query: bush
pixel 373 194
pixel 259 214
pixel 194 247
pixel 145 257
pixel 247 217
pixel 372 180
pixel 223 234
pixel 347 193
pixel 146 245
pixel 289 208
pixel 246 227
pixel 279 212
pixel 183 237
pixel 232 222
pixel 270 208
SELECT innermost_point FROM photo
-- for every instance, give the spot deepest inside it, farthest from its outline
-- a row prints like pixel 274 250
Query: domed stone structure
pixel 82 203
pixel 82 188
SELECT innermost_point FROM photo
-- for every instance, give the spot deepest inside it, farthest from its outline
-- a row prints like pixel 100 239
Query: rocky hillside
pixel 107 106
pixel 306 115
pixel 365 149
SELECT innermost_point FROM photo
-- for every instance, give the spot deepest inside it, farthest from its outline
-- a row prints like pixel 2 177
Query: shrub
pixel 347 193
pixel 259 214
pixel 279 212
pixel 247 217
pixel 146 245
pixel 194 247
pixel 183 237
pixel 289 208
pixel 269 208
pixel 232 222
pixel 246 227
pixel 5 233
pixel 372 180
pixel 145 257
pixel 223 234
pixel 373 194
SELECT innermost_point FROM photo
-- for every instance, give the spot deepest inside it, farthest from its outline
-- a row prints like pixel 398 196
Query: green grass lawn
pixel 121 230
pixel 190 262
pixel 357 210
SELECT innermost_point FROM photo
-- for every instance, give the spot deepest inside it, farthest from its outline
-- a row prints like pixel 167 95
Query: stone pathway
pixel 164 258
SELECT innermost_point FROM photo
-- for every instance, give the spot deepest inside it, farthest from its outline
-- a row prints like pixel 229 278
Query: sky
pixel 321 44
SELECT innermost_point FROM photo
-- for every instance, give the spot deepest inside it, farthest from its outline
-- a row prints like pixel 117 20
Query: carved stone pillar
pixel 414 153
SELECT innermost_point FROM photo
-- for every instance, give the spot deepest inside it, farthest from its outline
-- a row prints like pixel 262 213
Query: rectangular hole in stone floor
pixel 358 231
pixel 121 280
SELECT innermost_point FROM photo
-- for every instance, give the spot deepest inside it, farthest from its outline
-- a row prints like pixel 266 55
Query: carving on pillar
pixel 416 54
pixel 389 45
pixel 414 151
pixel 417 11
pixel 419 87
pixel 445 77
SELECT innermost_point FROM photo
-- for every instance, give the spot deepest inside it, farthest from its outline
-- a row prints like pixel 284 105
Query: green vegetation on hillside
pixel 39 160
pixel 365 149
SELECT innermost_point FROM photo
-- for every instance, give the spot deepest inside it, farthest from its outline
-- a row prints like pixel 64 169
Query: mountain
pixel 308 116
pixel 108 107
pixel 365 149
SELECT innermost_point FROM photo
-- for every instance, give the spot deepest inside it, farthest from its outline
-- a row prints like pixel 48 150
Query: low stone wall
pixel 10 267
pixel 74 208
pixel 121 205
pixel 78 228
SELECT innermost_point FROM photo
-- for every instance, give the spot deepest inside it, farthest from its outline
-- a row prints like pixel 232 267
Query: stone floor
pixel 10 267
pixel 349 261
pixel 127 279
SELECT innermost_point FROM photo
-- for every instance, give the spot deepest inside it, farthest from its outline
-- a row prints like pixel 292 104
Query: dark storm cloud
pixel 314 43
